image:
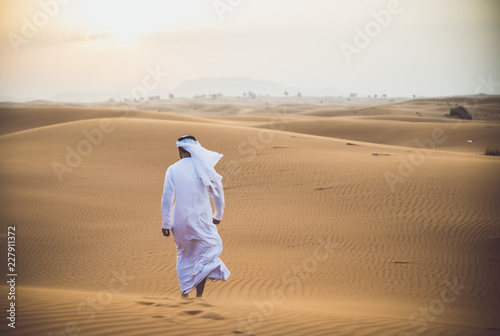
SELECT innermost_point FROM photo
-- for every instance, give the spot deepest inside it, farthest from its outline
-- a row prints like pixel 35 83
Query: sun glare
pixel 125 21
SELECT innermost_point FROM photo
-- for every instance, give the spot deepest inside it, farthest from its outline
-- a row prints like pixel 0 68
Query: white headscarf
pixel 204 161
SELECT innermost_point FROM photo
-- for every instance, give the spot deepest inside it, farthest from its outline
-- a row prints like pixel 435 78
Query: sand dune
pixel 322 238
pixel 89 313
pixel 401 131
pixel 481 108
pixel 18 119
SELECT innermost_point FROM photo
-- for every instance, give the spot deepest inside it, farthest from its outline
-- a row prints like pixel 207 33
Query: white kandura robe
pixel 190 221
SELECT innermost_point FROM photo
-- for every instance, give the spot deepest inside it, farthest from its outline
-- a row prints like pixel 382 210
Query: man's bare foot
pixel 200 287
pixel 184 296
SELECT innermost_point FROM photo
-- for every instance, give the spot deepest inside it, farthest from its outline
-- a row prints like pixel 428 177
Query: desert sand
pixel 322 236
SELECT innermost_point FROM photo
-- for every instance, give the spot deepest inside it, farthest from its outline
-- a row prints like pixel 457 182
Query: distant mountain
pixel 237 86
pixel 228 87
pixel 204 86
pixel 14 99
pixel 84 97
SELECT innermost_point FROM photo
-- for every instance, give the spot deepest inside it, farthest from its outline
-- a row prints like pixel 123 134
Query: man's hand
pixel 166 232
pixel 216 222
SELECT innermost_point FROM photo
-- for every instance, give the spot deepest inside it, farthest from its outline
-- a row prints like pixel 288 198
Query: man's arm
pixel 167 199
pixel 219 202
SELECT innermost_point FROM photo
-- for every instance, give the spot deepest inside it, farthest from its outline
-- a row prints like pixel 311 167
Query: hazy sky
pixel 423 47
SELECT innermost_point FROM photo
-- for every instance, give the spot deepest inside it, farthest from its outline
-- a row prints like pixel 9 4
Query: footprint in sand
pixel 204 304
pixel 213 316
pixel 166 305
pixel 193 312
pixel 145 303
pixel 185 302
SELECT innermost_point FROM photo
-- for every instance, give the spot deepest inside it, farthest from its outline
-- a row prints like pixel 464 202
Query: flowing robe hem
pixel 214 271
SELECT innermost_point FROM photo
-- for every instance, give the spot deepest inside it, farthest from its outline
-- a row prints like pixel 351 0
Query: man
pixel 190 181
